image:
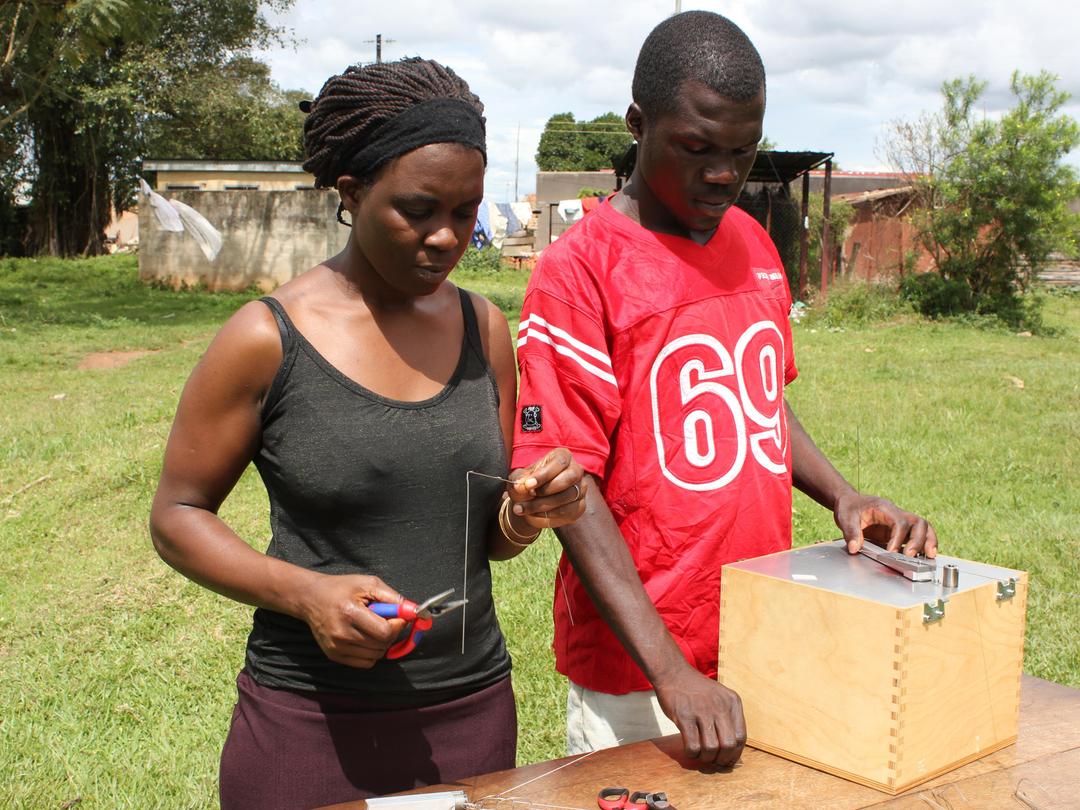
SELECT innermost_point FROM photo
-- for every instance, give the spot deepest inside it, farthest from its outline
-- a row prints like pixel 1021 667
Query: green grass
pixel 116 673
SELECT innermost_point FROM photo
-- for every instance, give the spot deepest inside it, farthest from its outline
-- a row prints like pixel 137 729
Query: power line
pixel 591 132
pixel 568 124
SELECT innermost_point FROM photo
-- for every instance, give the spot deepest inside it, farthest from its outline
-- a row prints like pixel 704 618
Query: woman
pixel 364 391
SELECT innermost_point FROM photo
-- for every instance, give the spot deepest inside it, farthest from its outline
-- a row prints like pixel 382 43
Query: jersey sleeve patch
pixel 531 419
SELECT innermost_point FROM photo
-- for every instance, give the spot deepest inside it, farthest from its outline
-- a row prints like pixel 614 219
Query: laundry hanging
pixel 523 211
pixel 570 210
pixel 513 225
pixel 177 217
pixel 482 234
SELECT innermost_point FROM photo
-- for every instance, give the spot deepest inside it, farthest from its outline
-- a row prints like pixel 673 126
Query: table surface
pixel 1041 771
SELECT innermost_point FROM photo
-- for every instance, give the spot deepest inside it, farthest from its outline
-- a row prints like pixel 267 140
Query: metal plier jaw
pixel 419 617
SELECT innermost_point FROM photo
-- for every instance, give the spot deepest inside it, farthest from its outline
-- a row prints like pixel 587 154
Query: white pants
pixel 598 720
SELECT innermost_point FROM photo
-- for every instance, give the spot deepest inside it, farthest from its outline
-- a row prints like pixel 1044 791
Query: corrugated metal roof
pixel 221 166
pixel 783 167
pixel 859 197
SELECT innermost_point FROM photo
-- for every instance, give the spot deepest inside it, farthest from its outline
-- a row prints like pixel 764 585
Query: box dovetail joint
pixel 900 652
pixel 848 678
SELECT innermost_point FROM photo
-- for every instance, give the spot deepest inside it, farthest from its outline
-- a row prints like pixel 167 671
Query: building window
pixel 182 187
pixel 304 187
pixel 241 186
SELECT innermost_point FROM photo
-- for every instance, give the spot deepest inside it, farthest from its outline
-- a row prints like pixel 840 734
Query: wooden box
pixel 846 666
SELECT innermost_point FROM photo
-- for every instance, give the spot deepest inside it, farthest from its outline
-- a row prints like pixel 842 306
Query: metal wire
pixel 465 565
pixel 514 803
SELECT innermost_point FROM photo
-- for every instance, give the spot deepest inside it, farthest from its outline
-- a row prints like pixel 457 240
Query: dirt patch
pixel 97 360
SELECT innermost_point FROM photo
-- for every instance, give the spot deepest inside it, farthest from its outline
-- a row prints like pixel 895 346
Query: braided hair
pixel 353 105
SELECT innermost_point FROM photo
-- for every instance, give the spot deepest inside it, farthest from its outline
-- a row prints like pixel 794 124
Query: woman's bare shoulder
pixel 247 351
pixel 490 318
pixel 494 333
pixel 252 334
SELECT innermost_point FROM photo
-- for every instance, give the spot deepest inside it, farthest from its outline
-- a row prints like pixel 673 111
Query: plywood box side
pixel 959 682
pixel 816 671
pixel 943 694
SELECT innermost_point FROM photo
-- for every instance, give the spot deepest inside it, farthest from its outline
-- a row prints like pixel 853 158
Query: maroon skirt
pixel 293 751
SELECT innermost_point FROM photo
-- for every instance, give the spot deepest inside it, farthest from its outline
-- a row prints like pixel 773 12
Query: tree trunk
pixel 70 195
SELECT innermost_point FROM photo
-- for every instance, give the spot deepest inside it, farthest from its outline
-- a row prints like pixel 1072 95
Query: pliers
pixel 620 798
pixel 419 616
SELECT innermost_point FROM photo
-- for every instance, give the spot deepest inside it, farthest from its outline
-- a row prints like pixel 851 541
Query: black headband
pixel 440 120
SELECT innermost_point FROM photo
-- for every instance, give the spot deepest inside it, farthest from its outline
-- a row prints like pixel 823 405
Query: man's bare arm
pixel 708 715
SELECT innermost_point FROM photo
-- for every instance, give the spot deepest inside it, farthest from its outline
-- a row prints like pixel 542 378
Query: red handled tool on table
pixel 620 798
pixel 419 616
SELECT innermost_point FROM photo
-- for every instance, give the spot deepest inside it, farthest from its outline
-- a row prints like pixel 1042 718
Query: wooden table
pixel 1040 772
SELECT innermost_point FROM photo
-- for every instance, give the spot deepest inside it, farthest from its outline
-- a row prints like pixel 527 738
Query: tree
pixel 568 145
pixel 37 37
pixel 993 192
pixel 233 113
pixel 87 121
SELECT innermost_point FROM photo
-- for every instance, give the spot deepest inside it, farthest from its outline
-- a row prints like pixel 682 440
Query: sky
pixel 838 72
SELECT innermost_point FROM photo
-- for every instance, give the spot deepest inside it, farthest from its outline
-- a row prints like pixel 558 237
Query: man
pixel 655 343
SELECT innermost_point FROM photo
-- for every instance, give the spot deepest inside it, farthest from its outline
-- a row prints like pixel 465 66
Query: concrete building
pixel 269 237
pixel 228 175
pixel 551 187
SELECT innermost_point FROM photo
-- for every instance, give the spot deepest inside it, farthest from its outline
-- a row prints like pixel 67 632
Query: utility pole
pixel 517 155
pixel 378 46
pixel 678 6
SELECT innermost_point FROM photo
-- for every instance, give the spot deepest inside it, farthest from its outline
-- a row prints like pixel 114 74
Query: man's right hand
pixel 347 632
pixel 708 714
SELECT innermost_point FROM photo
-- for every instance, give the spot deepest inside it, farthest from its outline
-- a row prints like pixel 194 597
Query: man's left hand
pixel 883 523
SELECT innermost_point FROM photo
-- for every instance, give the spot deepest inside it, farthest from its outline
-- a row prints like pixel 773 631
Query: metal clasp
pixel 1006 590
pixel 933 612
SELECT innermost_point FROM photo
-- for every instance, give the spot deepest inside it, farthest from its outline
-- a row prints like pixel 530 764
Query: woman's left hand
pixel 550 493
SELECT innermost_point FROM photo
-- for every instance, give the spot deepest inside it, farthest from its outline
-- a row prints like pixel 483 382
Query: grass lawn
pixel 116 673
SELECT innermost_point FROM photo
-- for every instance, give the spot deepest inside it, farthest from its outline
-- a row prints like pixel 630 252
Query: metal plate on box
pixel 829 566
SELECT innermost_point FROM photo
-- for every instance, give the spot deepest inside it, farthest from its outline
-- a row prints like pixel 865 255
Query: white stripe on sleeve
pixel 536 328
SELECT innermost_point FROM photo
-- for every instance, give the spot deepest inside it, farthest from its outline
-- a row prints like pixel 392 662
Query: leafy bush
pixel 856 303
pixel 481 260
pixel 935 296
pixel 589 191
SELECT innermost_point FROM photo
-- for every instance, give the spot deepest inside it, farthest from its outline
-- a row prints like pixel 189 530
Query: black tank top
pixel 359 483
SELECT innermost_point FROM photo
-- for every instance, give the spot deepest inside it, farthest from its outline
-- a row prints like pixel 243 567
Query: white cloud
pixel 839 70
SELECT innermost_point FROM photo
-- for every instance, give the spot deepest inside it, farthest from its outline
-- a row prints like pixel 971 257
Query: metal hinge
pixel 932 612
pixel 1006 590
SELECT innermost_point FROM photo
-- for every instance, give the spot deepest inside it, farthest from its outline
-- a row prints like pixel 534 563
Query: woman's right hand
pixel 348 633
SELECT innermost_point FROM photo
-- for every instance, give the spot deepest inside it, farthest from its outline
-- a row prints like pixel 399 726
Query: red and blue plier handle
pixel 620 798
pixel 419 616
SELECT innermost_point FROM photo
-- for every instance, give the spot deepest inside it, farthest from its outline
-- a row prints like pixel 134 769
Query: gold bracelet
pixel 513 537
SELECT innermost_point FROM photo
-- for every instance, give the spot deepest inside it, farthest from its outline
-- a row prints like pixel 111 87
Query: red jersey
pixel 661 364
